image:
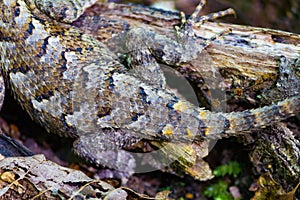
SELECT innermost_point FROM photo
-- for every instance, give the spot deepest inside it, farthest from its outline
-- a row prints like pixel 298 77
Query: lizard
pixel 75 86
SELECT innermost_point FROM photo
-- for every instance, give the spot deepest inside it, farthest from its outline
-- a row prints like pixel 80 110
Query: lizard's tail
pixel 254 119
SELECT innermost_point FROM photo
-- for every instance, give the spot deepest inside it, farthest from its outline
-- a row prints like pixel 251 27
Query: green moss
pixel 232 169
pixel 219 190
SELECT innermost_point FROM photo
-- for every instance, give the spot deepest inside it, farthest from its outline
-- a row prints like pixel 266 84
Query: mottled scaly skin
pixel 73 85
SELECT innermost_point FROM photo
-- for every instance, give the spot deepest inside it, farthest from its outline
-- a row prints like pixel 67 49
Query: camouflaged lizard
pixel 74 86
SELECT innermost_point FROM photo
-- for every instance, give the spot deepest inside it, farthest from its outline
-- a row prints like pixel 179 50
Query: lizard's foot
pixel 105 149
pixel 146 48
pixel 185 30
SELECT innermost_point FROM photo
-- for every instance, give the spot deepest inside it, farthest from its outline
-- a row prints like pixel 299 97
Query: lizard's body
pixel 73 85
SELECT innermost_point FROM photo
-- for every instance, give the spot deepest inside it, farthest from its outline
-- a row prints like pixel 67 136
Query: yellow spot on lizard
pixel 202 114
pixel 207 131
pixel 189 133
pixel 179 106
pixel 167 130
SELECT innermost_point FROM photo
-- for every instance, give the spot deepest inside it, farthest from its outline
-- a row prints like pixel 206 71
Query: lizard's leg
pixel 146 47
pixel 199 20
pixel 105 149
pixel 185 32
pixel 142 62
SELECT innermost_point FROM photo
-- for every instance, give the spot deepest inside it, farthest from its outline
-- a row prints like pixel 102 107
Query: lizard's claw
pixel 197 20
pixel 185 29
